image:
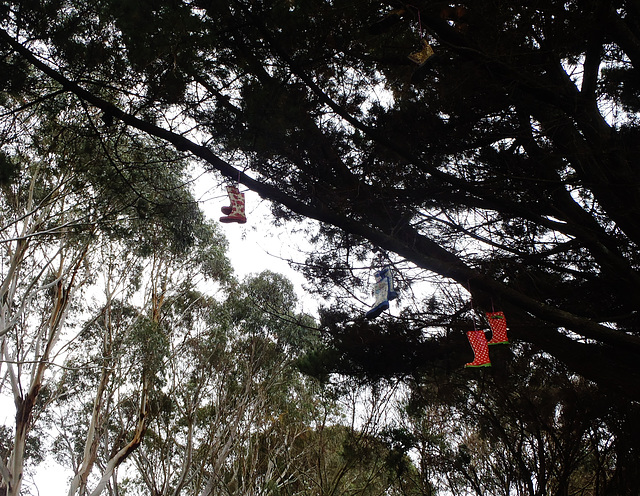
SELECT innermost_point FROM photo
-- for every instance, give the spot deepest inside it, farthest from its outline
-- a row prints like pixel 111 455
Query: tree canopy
pixel 483 150
pixel 504 164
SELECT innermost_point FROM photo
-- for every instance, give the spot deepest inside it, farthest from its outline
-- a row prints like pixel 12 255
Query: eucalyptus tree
pixel 226 404
pixel 137 330
pixel 66 195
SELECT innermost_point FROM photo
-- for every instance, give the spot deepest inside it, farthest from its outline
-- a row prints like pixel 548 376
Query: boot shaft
pixel 498 324
pixel 235 212
pixel 478 341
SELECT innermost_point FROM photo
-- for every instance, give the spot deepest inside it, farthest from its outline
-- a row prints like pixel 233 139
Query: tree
pixel 115 389
pixel 235 402
pixel 345 451
pixel 503 164
pixel 65 197
pixel 533 428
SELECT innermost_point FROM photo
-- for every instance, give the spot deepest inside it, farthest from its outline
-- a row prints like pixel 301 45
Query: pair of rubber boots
pixel 479 343
pixel 383 291
pixel 235 212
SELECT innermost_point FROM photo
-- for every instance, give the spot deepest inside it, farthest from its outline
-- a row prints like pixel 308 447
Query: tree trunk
pixel 131 446
pixel 15 467
pixel 79 482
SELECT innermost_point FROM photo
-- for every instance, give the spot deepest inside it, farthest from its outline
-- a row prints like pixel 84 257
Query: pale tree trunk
pixel 24 409
pixel 131 446
pixel 79 483
pixel 116 280
pixel 13 472
pixel 186 462
pixel 92 441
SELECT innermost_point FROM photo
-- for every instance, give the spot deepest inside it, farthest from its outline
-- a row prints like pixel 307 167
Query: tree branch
pixel 401 239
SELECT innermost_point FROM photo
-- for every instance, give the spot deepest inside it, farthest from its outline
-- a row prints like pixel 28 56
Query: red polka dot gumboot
pixel 498 325
pixel 478 342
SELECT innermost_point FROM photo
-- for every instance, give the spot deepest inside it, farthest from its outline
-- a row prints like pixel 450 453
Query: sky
pixel 257 245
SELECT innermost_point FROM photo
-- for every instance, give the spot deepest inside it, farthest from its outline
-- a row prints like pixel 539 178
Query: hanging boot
pixel 478 342
pixel 230 191
pixel 387 274
pixel 383 291
pixel 498 325
pixel 235 212
pixel 421 56
pixel 423 59
pixel 380 291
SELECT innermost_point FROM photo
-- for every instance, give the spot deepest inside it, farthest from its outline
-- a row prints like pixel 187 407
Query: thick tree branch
pixel 402 240
pixel 620 31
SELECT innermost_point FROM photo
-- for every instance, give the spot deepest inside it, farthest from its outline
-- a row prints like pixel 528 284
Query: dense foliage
pixel 504 163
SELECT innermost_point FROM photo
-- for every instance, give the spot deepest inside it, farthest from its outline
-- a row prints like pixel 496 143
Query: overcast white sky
pixel 256 245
